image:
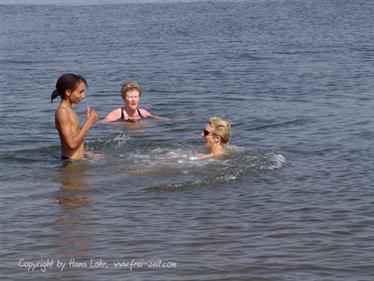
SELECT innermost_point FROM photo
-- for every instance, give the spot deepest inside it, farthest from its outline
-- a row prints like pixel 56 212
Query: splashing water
pixel 171 163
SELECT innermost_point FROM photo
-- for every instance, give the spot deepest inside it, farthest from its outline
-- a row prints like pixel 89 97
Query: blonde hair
pixel 221 127
pixel 128 86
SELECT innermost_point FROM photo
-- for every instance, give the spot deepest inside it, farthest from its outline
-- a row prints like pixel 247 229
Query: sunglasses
pixel 206 132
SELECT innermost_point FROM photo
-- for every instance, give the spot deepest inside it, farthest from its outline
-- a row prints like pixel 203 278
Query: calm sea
pixel 293 201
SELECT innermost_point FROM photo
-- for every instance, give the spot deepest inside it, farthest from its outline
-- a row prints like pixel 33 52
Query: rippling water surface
pixel 292 201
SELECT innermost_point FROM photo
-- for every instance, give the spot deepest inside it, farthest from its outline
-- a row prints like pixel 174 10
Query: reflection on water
pixel 73 177
pixel 73 174
pixel 75 238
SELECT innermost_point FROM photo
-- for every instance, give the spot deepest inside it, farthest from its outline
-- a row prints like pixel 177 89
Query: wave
pixel 299 122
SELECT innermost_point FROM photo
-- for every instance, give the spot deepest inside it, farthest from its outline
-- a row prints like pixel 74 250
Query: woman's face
pixel 78 94
pixel 132 99
pixel 209 138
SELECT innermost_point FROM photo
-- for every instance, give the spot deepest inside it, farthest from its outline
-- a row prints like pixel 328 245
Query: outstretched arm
pixel 159 117
pixel 146 113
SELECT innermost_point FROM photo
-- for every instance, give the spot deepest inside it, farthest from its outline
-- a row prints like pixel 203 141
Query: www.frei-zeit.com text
pixel 61 264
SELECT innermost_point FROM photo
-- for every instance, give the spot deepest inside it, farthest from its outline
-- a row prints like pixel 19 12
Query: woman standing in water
pixel 130 93
pixel 71 89
pixel 216 135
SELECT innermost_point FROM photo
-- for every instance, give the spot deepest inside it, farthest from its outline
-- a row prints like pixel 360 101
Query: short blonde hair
pixel 221 128
pixel 128 86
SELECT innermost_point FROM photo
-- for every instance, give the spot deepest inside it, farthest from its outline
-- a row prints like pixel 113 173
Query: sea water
pixel 292 201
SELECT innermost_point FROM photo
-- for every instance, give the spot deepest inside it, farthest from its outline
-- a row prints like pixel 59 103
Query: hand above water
pixel 91 115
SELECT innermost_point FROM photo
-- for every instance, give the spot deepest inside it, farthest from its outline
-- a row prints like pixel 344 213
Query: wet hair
pixel 221 128
pixel 128 86
pixel 67 81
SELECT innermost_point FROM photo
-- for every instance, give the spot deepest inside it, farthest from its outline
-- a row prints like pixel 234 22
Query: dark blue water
pixel 294 201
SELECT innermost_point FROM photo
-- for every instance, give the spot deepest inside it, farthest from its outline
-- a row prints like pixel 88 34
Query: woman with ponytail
pixel 71 89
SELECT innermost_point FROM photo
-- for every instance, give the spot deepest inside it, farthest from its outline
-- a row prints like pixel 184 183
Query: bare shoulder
pixel 113 115
pixel 144 112
pixel 62 113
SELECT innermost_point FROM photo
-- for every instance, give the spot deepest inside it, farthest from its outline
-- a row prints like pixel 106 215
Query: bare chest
pixel 74 122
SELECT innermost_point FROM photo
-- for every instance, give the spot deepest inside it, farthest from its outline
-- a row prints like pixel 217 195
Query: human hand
pixel 91 115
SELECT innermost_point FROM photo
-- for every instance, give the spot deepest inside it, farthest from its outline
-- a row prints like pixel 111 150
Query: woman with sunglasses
pixel 216 135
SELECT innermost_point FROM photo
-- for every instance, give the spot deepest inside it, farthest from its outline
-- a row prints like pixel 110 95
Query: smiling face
pixel 77 94
pixel 131 99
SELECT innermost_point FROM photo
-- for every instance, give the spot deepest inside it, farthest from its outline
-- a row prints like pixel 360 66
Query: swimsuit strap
pixel 122 114
pixel 140 115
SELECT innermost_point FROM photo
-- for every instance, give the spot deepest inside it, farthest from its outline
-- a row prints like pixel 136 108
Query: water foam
pixel 214 172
